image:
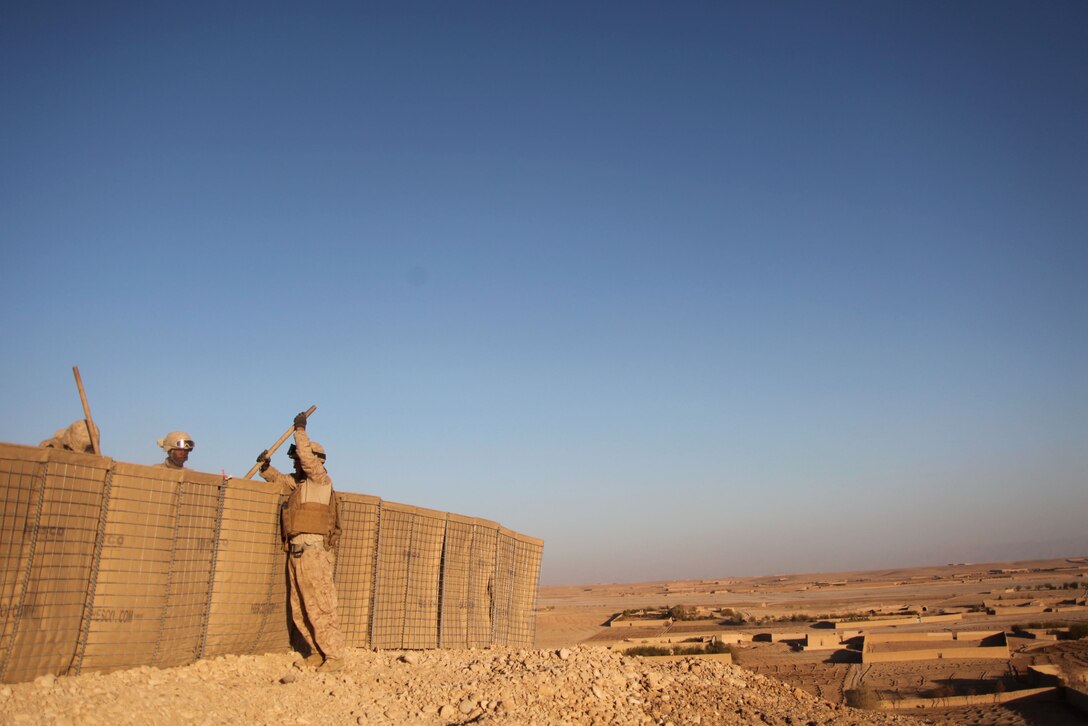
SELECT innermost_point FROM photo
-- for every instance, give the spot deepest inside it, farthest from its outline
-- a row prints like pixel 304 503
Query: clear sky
pixel 690 289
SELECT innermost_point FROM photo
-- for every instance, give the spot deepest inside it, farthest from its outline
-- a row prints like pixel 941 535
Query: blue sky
pixel 683 289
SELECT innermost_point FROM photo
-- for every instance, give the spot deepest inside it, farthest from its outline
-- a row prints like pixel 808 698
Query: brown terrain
pixel 780 611
pixel 573 676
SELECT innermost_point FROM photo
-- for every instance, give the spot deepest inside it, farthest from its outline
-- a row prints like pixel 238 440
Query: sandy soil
pixel 571 678
pixel 565 686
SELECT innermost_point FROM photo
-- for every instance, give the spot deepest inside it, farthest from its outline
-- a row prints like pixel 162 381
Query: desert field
pixel 575 675
pixel 780 613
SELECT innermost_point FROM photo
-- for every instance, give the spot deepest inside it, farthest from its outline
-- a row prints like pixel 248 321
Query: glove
pixel 300 420
pixel 262 457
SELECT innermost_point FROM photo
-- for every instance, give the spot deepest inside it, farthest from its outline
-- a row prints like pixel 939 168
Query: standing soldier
pixel 311 528
pixel 177 445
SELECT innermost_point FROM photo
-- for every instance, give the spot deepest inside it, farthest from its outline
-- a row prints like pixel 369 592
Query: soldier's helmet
pixel 318 449
pixel 176 440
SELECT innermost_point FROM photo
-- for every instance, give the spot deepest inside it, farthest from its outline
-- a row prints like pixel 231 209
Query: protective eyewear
pixel 292 453
pixel 186 444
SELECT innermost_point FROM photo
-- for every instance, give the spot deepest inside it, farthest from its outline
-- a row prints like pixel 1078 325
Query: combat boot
pixel 313 660
pixel 330 665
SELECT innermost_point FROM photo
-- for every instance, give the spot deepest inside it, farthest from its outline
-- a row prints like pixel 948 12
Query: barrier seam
pixel 409 556
pixel 26 573
pixel 511 570
pixel 178 498
pixel 211 569
pixel 377 570
pixel 498 589
pixel 511 590
pixel 96 561
pixel 492 594
pixel 509 594
pixel 442 579
pixel 265 609
pixel 475 606
pixel 375 554
pixel 533 606
pixel 470 587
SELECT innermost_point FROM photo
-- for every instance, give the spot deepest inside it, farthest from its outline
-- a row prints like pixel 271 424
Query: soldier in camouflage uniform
pixel 177 445
pixel 74 438
pixel 311 529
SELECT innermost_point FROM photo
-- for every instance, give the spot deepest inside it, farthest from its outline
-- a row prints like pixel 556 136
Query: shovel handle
pixel 86 412
pixel 279 443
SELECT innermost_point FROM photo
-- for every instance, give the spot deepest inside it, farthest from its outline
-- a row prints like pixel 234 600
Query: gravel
pixel 578 685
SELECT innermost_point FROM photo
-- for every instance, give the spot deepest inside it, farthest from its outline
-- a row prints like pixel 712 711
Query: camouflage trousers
pixel 313 600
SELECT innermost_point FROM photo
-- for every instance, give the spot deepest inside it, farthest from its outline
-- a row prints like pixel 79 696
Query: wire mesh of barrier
pixel 129 599
pixel 517 557
pixel 52 502
pixel 391 576
pixel 189 582
pixel 456 577
pixel 247 613
pixel 19 515
pixel 528 552
pixel 356 555
pixel 503 588
pixel 106 565
pixel 406 582
pixel 468 583
pixel 153 576
pixel 481 584
pixel 424 573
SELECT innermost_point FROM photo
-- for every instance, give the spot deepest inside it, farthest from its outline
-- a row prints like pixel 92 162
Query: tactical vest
pixel 308 518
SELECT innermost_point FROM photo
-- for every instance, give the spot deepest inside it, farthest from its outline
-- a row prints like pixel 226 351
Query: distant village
pixel 843 635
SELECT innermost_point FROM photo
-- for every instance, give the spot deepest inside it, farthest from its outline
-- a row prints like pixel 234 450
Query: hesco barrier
pixel 107 565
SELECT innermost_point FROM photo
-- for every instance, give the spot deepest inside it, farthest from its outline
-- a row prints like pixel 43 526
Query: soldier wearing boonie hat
pixel 177 445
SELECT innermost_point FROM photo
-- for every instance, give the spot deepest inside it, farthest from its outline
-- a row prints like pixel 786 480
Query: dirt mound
pixel 580 685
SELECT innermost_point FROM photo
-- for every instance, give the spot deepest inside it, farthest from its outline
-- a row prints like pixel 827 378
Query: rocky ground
pixel 579 685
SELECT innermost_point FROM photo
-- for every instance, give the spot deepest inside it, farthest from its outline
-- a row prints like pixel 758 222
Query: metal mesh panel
pixel 355 558
pixel 391 576
pixel 406 583
pixel 129 599
pixel 503 589
pixel 182 625
pixel 52 502
pixel 248 612
pixel 424 571
pixel 23 478
pixel 482 584
pixel 522 621
pixel 456 580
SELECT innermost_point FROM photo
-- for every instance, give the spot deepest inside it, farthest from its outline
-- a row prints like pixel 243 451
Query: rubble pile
pixel 580 685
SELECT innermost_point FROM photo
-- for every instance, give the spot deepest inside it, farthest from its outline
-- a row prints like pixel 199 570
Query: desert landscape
pixel 583 301
pixel 578 672
pixel 808 630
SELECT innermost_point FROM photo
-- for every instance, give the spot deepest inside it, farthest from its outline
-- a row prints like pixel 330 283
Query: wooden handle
pixel 86 412
pixel 279 443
